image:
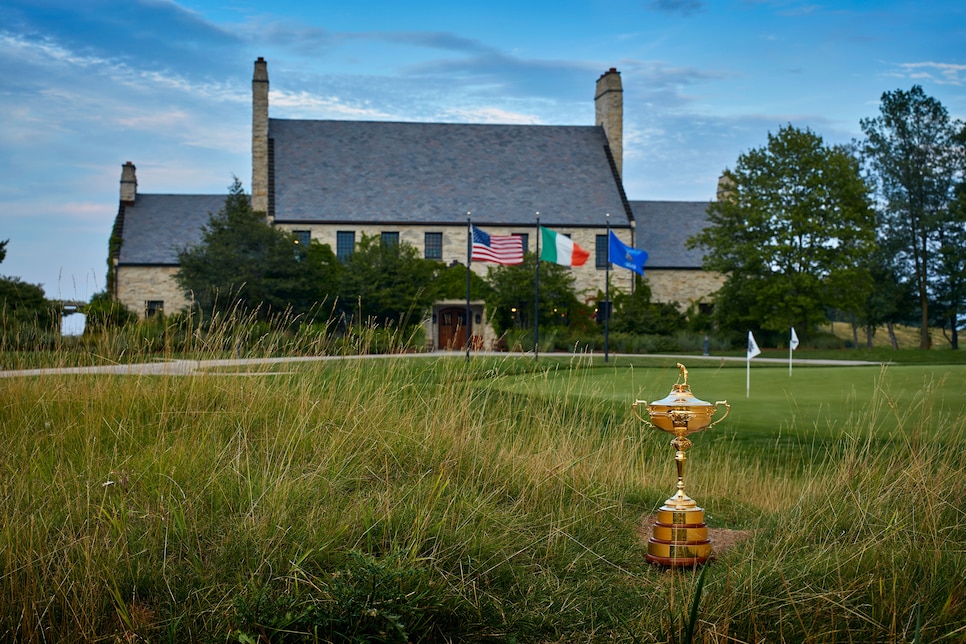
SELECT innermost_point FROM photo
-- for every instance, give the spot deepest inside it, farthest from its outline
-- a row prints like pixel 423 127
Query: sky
pixel 87 85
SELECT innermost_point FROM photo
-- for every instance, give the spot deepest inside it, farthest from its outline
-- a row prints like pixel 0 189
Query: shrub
pixel 105 314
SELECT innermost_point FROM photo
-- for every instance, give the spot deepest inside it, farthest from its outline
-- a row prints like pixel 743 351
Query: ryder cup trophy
pixel 680 536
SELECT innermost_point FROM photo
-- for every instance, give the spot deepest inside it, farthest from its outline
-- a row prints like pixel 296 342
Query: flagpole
pixel 752 351
pixel 789 359
pixel 748 366
pixel 607 297
pixel 536 299
pixel 747 377
pixel 633 245
pixel 469 260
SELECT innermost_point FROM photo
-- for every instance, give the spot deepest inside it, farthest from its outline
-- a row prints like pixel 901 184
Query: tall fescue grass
pixel 420 500
pixel 186 335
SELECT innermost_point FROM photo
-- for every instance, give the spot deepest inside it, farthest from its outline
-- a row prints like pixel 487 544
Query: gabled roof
pixel 157 227
pixel 663 229
pixel 414 173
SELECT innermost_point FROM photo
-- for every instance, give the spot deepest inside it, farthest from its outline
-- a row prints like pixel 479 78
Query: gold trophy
pixel 680 535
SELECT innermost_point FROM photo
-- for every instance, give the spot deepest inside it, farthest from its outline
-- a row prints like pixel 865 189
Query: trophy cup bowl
pixel 680 536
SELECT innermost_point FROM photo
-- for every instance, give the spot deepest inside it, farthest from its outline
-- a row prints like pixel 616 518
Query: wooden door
pixel 452 328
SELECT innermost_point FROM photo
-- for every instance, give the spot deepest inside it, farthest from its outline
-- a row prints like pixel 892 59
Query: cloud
pixel 469 65
pixel 491 115
pixel 296 37
pixel 795 10
pixel 304 104
pixel 310 40
pixel 661 88
pixel 704 144
pixel 436 40
pixel 85 211
pixel 185 176
pixel 63 96
pixel 499 75
pixel 158 33
pixel 683 7
pixel 51 63
pixel 940 73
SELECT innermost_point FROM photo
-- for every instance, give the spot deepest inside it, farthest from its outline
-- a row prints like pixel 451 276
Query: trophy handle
pixel 643 420
pixel 727 411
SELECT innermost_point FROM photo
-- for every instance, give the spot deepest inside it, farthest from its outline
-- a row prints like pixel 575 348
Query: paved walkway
pixel 200 367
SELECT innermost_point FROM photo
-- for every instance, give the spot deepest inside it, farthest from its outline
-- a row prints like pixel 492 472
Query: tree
pixel 451 284
pixel 25 312
pixel 790 234
pixel 636 313
pixel 950 293
pixel 388 283
pixel 888 301
pixel 26 315
pixel 910 149
pixel 513 295
pixel 105 313
pixel 244 265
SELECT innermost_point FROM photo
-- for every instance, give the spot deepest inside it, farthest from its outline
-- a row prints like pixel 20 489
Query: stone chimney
pixel 725 185
pixel 609 109
pixel 129 184
pixel 260 137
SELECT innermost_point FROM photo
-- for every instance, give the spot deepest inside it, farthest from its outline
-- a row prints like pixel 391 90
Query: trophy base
pixel 679 538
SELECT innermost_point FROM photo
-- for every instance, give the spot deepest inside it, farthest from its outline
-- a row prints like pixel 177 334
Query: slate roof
pixel 414 173
pixel 157 227
pixel 663 228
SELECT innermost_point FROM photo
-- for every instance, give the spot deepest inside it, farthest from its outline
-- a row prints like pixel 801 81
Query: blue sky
pixel 86 86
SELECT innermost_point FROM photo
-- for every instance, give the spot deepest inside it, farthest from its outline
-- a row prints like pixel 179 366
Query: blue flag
pixel 620 254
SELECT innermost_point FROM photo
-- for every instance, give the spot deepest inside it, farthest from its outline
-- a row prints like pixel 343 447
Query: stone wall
pixel 136 285
pixel 588 278
pixel 682 286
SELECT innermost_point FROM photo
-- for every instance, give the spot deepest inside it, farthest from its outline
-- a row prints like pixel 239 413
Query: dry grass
pixel 395 500
pixel 906 336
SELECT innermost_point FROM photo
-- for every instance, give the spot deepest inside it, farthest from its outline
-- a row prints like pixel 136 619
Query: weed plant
pixel 441 499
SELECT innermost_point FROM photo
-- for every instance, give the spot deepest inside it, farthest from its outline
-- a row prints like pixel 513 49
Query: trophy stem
pixel 680 500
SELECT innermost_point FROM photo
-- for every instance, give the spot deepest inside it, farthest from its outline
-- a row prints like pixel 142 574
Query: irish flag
pixel 560 249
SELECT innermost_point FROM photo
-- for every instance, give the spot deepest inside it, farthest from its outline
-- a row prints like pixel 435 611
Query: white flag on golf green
pixel 753 349
pixel 793 343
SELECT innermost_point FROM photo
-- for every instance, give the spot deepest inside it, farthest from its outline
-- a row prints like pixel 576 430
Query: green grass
pixel 811 401
pixel 434 500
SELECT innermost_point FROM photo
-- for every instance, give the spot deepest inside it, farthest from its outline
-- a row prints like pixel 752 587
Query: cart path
pixel 200 367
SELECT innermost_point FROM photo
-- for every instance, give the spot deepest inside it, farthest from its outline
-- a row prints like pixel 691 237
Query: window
pixel 601 251
pixel 345 243
pixel 153 308
pixel 525 240
pixel 302 239
pixel 390 239
pixel 433 246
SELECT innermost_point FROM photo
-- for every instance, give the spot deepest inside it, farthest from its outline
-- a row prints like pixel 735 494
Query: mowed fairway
pixel 500 499
pixel 825 402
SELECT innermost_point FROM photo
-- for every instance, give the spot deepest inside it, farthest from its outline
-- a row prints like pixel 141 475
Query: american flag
pixel 499 249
